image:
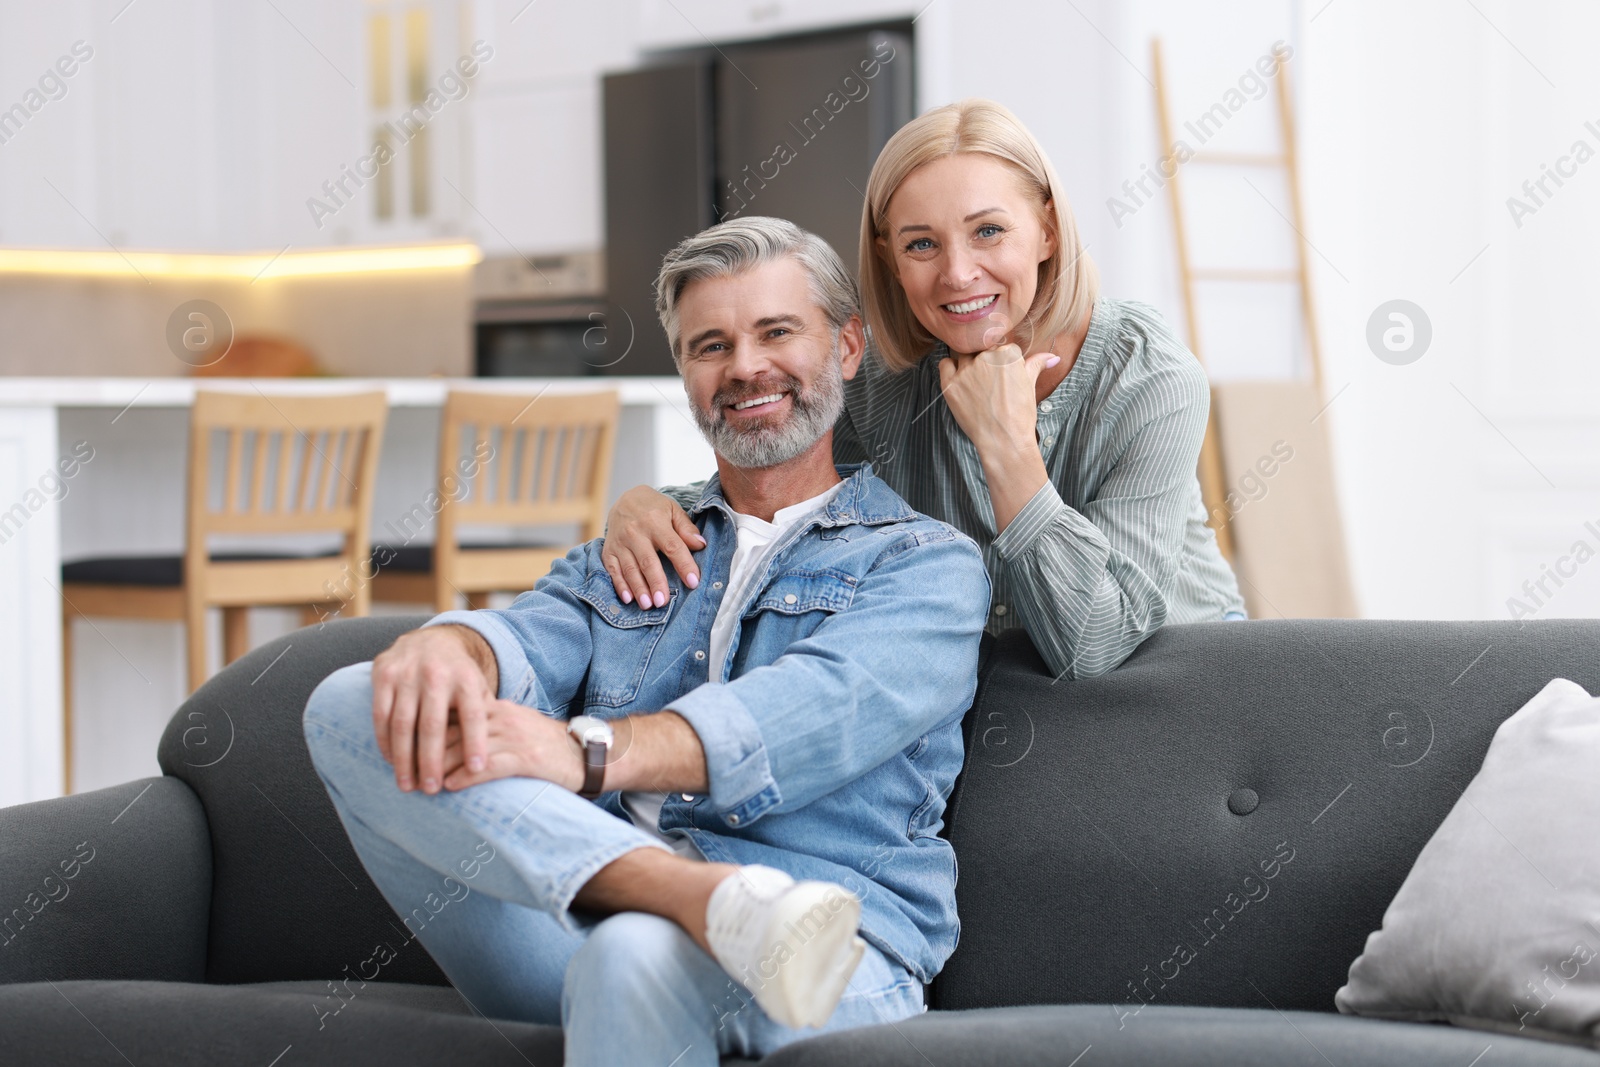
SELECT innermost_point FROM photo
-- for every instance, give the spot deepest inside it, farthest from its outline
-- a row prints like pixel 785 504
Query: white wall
pixel 1476 466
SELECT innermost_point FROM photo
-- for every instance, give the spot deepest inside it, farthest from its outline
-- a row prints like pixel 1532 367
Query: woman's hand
pixel 643 525
pixel 992 393
pixel 993 398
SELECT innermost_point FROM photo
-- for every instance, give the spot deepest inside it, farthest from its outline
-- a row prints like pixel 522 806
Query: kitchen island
pixel 96 467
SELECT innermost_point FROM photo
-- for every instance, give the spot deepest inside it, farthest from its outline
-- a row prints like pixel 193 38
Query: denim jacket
pixel 832 733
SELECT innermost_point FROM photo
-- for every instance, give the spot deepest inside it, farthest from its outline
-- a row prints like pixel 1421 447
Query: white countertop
pixel 403 392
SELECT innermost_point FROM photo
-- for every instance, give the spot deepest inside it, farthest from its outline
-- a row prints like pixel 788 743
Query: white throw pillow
pixel 1498 924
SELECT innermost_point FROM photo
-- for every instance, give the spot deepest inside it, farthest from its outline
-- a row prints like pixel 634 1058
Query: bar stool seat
pixel 155 571
pixel 418 559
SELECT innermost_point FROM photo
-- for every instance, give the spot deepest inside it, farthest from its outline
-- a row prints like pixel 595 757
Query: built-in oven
pixel 546 317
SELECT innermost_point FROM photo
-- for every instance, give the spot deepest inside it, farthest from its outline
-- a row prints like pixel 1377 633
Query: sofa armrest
pixel 110 884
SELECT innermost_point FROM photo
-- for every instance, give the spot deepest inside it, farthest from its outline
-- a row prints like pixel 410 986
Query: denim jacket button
pixel 733 820
pixel 689 797
pixel 699 653
pixel 789 598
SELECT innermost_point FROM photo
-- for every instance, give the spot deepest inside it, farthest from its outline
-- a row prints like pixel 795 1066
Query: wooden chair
pixel 285 466
pixel 533 461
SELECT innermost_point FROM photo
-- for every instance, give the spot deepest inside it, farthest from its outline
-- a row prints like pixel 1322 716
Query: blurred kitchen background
pixel 542 154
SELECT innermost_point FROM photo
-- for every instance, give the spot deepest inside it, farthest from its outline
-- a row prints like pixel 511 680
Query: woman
pixel 1057 429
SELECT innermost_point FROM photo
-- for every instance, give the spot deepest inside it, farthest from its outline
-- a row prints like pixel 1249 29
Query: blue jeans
pixel 485 878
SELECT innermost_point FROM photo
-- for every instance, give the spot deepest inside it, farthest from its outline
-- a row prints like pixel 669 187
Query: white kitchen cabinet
pixel 210 126
pixel 537 179
pixel 538 169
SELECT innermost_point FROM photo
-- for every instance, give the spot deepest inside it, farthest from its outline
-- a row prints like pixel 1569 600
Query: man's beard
pixel 815 410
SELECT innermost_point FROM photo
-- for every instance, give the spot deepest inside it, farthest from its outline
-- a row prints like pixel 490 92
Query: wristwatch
pixel 594 738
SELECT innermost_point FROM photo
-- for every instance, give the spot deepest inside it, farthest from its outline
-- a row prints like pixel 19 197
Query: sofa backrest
pixel 1220 821
pixel 289 899
pixel 1223 819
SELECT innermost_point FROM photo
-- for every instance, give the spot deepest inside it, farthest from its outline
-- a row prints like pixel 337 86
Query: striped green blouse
pixel 1116 543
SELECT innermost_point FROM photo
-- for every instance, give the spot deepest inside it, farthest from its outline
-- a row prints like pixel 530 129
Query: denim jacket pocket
pixel 799 591
pixel 630 635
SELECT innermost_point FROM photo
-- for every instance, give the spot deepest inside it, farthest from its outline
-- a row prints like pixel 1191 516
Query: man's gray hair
pixel 738 245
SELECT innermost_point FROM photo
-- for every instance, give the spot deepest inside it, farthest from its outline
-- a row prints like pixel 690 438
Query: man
pixel 771 751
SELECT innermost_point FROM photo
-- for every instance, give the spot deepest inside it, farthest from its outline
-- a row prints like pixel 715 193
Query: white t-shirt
pixel 754 538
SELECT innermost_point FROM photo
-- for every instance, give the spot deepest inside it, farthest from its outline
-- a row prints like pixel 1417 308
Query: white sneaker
pixel 792 944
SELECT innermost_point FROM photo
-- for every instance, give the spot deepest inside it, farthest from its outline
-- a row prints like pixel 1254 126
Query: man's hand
pixel 419 683
pixel 522 743
pixel 658 753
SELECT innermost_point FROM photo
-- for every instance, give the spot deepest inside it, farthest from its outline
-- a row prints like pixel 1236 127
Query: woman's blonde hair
pixel 1068 280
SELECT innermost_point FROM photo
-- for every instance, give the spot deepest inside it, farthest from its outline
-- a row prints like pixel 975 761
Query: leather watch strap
pixel 594 769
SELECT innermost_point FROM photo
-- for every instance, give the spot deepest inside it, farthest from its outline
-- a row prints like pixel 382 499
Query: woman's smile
pixel 971 310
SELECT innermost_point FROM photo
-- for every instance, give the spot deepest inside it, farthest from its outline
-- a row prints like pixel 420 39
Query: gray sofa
pixel 204 916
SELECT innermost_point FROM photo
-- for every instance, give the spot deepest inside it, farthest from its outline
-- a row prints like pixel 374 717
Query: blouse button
pixel 789 598
pixel 1046 406
pixel 999 609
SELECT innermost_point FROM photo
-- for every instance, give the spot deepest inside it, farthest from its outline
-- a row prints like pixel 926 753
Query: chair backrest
pixel 261 464
pixel 533 460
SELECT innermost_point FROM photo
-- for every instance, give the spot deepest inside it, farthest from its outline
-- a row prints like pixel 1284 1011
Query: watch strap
pixel 594 769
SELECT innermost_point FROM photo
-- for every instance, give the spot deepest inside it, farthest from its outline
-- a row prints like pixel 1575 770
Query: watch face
pixel 588 728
